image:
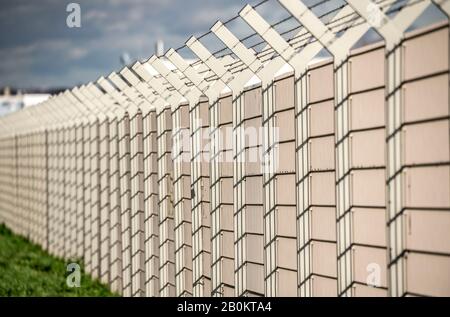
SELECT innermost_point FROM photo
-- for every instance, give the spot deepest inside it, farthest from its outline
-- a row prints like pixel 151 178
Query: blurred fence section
pixel 260 172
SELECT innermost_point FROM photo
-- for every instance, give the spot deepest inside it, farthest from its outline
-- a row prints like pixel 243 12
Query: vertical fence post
pixel 100 223
pixel 92 186
pixel 151 221
pixel 247 180
pixel 95 98
pixel 220 208
pixel 200 180
pixel 81 110
pixel 165 180
pixel 325 37
pixel 59 176
pixel 110 232
pixel 51 176
pixel 71 243
pixel 299 61
pixel 184 202
pixel 136 181
pixel 123 126
pixel 393 33
pixel 278 207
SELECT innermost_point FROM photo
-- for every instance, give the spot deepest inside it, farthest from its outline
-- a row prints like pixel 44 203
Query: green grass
pixel 27 270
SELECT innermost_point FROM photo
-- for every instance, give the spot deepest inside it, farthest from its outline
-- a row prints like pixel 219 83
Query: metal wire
pixel 253 34
pixel 225 23
pixel 337 26
pixel 354 21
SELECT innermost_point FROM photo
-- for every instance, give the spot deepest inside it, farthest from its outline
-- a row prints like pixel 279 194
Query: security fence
pixel 253 173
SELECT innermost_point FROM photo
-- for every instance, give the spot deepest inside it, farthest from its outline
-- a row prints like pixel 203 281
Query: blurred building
pixel 11 100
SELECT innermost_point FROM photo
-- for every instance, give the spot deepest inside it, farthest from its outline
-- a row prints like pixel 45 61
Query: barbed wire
pixel 255 34
pixel 226 22
pixel 298 41
pixel 339 25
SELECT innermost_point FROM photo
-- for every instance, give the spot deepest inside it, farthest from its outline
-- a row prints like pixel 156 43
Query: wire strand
pixel 355 20
pixel 226 22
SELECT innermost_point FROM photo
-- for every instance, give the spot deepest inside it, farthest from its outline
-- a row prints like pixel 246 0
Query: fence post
pixel 64 107
pixel 299 62
pixel 393 33
pixel 91 180
pixel 165 179
pixel 110 218
pixel 246 180
pixel 130 100
pixel 79 111
pixel 184 204
pixel 278 208
pixel 221 210
pixel 151 222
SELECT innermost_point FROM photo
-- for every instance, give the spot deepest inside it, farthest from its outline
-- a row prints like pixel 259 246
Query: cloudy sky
pixel 37 49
